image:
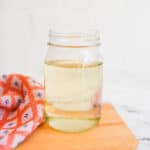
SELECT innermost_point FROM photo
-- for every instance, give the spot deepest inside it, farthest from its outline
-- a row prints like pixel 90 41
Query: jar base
pixel 72 125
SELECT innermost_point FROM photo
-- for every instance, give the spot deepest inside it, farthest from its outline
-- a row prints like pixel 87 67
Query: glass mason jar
pixel 73 81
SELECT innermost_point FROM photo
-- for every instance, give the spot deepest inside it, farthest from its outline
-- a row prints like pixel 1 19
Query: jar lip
pixel 83 38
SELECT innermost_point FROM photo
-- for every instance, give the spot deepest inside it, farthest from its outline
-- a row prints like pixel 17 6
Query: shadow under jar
pixel 73 81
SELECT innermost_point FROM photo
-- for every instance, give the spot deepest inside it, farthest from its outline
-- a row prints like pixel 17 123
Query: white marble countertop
pixel 130 94
pixel 139 123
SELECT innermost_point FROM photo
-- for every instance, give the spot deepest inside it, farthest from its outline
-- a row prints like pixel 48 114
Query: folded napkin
pixel 21 109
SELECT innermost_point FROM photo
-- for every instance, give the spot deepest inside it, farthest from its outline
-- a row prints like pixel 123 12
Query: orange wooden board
pixel 111 134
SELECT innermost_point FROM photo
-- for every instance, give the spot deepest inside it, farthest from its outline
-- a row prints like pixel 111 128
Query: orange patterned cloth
pixel 21 109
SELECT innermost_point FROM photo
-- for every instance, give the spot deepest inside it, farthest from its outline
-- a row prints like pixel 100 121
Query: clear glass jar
pixel 73 81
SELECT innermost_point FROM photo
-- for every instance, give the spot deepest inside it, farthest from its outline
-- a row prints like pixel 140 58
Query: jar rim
pixel 83 38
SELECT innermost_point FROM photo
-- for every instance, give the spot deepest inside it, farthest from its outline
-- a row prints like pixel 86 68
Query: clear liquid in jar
pixel 72 93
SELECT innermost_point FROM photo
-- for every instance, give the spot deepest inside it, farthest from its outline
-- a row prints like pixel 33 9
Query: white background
pixel 125 38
